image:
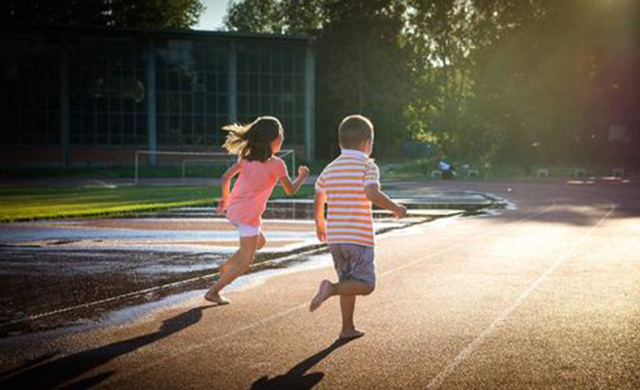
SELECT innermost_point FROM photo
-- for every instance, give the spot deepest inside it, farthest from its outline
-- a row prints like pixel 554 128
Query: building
pixel 78 96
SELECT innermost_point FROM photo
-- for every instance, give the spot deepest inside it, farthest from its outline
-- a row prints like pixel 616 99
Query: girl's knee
pixel 369 289
pixel 262 241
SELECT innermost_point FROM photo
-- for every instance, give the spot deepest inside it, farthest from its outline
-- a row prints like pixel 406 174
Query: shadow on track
pixel 57 372
pixel 295 378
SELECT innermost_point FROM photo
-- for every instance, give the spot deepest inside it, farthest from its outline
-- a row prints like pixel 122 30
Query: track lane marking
pixel 188 349
pixel 438 380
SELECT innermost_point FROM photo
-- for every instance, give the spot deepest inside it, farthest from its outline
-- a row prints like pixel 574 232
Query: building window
pixel 271 82
pixel 192 81
pixel 107 80
pixel 30 98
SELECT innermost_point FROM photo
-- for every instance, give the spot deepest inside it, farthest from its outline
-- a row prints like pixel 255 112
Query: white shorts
pixel 246 230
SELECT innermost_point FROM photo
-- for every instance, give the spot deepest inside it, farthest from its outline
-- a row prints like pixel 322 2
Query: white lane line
pixel 473 345
pixel 182 351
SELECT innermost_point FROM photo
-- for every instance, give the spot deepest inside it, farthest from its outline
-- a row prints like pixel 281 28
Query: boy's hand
pixel 303 171
pixel 222 206
pixel 321 233
pixel 400 211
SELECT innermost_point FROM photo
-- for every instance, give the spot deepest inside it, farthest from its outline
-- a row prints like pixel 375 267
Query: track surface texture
pixel 543 295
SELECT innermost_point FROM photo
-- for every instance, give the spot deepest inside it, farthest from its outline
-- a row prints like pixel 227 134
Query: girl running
pixel 256 145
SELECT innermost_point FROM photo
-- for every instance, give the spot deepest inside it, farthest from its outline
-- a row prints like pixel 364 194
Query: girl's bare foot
pixel 223 268
pixel 350 334
pixel 215 298
pixel 324 292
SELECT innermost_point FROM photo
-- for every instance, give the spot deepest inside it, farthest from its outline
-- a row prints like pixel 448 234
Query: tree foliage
pixel 361 67
pixel 111 13
pixel 523 81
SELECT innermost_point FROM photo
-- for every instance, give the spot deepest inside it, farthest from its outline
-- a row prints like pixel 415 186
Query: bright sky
pixel 211 18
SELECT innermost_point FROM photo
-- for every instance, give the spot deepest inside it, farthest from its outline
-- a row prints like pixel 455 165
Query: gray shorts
pixel 354 262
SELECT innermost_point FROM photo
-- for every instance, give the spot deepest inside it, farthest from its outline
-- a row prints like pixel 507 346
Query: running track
pixel 547 295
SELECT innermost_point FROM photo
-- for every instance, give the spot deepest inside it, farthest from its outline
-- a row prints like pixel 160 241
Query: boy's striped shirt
pixel 349 218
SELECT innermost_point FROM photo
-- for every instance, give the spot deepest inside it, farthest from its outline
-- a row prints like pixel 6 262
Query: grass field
pixel 32 202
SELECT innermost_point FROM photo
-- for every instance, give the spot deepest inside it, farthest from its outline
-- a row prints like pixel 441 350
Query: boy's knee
pixel 370 288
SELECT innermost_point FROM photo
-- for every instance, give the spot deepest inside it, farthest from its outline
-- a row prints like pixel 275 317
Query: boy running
pixel 350 184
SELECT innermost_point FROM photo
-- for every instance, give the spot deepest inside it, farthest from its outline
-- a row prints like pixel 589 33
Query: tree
pixel 277 16
pixel 258 16
pixel 545 86
pixel 361 66
pixel 490 81
pixel 111 13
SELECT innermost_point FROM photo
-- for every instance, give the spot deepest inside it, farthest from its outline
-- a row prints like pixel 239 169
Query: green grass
pixel 121 172
pixel 32 203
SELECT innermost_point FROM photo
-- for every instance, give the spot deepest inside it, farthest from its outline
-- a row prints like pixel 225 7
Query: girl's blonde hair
pixel 252 142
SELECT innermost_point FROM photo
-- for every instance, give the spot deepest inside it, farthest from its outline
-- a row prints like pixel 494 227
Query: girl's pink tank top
pixel 249 196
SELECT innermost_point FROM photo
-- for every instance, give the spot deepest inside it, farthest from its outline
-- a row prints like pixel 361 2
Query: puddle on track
pixel 50 279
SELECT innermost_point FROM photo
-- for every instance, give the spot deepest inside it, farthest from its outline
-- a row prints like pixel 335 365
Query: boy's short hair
pixel 353 130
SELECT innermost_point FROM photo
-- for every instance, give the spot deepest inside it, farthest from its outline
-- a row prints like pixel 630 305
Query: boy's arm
pixel 321 225
pixel 291 188
pixel 380 199
pixel 377 197
pixel 225 184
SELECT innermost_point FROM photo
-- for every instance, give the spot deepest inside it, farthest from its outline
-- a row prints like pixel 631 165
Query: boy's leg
pixel 347 307
pixel 351 287
pixel 354 264
pixel 243 259
pixel 344 288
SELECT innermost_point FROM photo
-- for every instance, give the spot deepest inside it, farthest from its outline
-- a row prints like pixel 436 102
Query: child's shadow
pixel 64 369
pixel 295 378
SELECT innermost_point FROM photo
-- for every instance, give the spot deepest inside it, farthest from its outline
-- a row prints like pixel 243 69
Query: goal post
pixel 184 158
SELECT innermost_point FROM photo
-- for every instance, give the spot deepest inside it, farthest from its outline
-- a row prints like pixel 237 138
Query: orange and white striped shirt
pixel 349 217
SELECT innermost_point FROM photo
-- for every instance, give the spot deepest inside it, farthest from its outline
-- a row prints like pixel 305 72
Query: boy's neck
pixel 355 151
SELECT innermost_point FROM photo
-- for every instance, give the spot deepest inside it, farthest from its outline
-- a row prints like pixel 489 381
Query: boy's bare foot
pixel 223 268
pixel 215 298
pixel 324 292
pixel 351 334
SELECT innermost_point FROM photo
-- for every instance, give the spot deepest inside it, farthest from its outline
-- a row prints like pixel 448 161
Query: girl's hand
pixel 222 206
pixel 303 171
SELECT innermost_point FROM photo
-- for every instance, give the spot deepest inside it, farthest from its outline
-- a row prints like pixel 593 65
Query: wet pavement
pixel 542 295
pixel 62 272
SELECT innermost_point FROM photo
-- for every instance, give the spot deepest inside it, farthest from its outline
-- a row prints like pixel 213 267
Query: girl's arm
pixel 291 188
pixel 225 184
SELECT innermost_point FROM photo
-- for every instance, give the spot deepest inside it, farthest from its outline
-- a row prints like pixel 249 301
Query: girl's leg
pixel 238 264
pixel 262 241
pixel 231 261
pixel 227 264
